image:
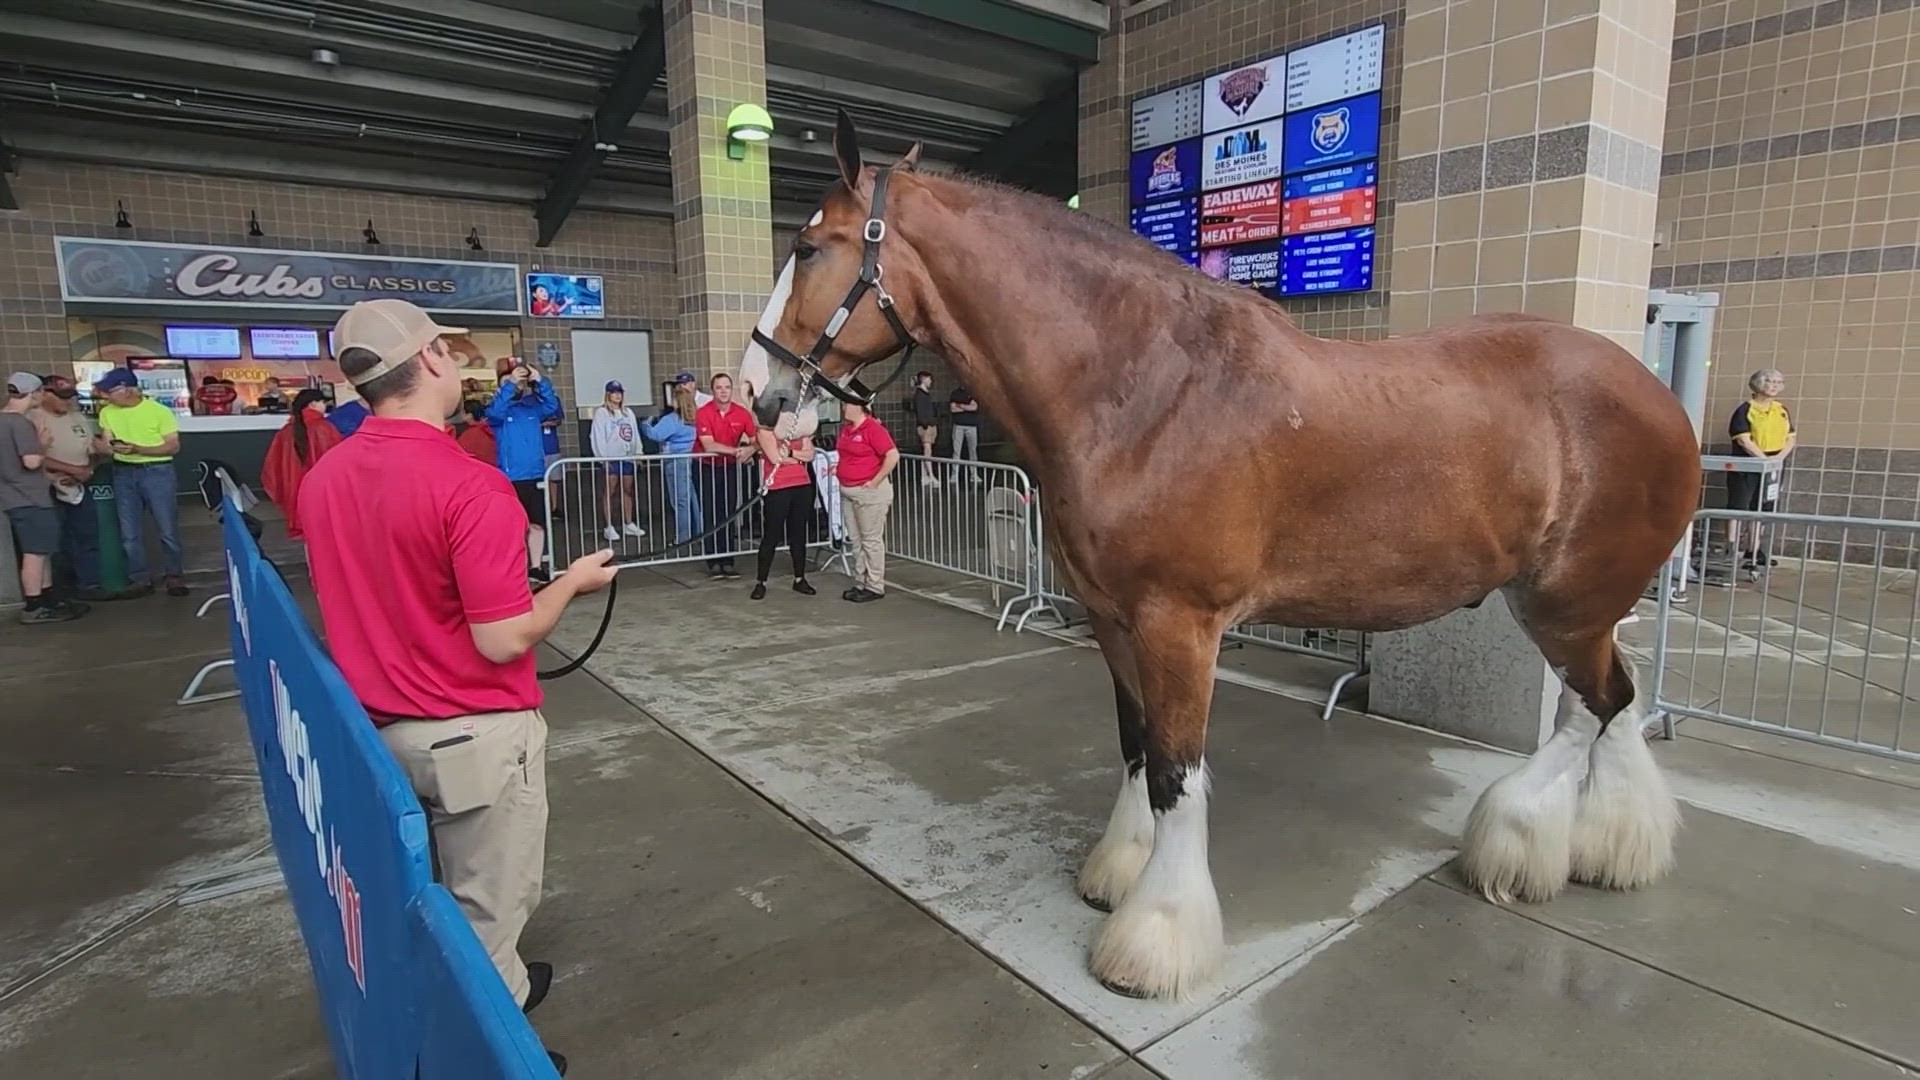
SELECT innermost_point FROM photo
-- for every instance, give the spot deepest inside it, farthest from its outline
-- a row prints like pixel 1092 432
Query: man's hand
pixel 743 454
pixel 533 373
pixel 590 573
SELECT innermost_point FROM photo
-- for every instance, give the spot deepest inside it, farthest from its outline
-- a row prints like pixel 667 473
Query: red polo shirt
pixel 410 540
pixel 730 428
pixel 863 449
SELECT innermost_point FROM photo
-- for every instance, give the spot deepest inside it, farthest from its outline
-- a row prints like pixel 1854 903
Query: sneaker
pixel 867 597
pixel 930 481
pixel 610 534
pixel 137 590
pixel 852 594
pixel 714 573
pixel 729 573
pixel 976 480
pixel 559 1062
pixel 98 595
pixel 41 615
pixel 540 574
pixel 759 591
pixel 634 530
pixel 175 587
pixel 804 587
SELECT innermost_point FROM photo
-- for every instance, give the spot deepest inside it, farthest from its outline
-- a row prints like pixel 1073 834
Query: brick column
pixel 722 208
pixel 1528 172
pixel 1529 163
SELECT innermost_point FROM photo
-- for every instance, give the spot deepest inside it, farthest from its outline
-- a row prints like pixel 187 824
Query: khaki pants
pixel 866 508
pixel 487 797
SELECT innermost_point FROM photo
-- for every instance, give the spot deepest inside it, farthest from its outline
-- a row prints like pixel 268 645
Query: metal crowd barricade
pixel 1819 645
pixel 675 497
pixel 978 520
pixel 1341 646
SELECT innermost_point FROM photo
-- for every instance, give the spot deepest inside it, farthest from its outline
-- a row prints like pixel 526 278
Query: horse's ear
pixel 910 160
pixel 846 148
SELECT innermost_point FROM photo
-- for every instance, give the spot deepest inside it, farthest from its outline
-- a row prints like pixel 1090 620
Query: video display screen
pixel 203 342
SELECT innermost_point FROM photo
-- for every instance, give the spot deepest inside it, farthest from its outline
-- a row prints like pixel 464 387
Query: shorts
pixel 37 528
pixel 619 468
pixel 550 459
pixel 533 500
pixel 1746 491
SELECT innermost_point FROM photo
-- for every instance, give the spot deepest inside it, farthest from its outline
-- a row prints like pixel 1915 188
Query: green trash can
pixel 113 556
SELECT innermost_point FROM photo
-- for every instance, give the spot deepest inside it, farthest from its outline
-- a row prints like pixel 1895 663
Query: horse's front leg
pixel 1165 939
pixel 1116 861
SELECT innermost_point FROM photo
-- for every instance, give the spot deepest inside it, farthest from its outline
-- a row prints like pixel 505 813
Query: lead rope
pixel 613 590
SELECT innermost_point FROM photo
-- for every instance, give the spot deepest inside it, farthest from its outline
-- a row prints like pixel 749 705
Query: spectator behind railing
pixel 725 431
pixel 615 434
pixel 785 470
pixel 518 414
pixel 293 451
pixel 477 439
pixel 674 431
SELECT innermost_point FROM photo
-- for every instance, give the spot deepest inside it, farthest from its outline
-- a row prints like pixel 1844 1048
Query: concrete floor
pixel 805 839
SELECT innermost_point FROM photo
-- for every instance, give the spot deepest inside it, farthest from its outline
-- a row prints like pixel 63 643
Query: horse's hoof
pixel 1133 992
pixel 1097 904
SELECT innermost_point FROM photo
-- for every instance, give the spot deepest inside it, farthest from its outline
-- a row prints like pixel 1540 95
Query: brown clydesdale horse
pixel 1203 462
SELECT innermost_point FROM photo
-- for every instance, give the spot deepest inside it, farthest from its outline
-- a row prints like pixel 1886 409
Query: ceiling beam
pixel 1021 152
pixel 640 67
pixel 1026 21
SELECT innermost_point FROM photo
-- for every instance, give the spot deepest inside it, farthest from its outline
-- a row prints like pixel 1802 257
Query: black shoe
pixel 539 981
pixel 852 594
pixel 137 590
pixel 714 573
pixel 729 572
pixel 96 594
pixel 759 591
pixel 804 587
pixel 867 597
pixel 175 586
pixel 559 1062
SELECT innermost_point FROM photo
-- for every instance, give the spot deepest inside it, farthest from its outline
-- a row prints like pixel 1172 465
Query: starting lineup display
pixel 1267 175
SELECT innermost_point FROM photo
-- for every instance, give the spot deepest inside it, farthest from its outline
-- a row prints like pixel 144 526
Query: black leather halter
pixel 871 272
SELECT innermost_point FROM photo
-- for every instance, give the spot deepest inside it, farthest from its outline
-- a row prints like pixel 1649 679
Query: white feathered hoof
pixel 1625 824
pixel 1159 949
pixel 1518 840
pixel 1111 869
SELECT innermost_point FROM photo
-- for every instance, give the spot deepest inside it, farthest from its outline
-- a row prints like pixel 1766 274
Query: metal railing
pixel 1817 644
pixel 675 497
pixel 1347 647
pixel 979 520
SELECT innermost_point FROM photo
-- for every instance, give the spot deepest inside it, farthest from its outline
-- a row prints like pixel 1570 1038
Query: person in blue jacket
pixel 520 409
pixel 673 430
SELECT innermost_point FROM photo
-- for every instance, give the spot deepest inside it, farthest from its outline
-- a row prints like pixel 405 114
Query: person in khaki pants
pixel 418 555
pixel 867 458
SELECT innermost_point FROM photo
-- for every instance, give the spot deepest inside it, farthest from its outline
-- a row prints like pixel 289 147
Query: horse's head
pixel 841 300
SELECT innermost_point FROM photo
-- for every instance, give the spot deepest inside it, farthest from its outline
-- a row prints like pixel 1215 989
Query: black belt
pixel 142 464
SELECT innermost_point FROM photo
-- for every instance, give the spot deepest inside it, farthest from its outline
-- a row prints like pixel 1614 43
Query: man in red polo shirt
pixel 867 458
pixel 418 555
pixel 724 429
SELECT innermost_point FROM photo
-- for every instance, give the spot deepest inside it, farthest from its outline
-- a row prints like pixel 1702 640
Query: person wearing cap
pixel 615 437
pixel 692 382
pixel 418 556
pixel 520 409
pixel 143 436
pixel 69 435
pixel 26 498
pixel 674 431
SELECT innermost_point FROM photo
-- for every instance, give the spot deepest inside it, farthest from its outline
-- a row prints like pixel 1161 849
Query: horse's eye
pixel 803 251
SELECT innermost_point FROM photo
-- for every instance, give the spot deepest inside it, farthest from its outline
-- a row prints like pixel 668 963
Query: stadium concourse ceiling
pixel 556 105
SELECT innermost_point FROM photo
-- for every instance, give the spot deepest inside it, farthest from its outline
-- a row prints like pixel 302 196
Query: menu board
pixel 203 342
pixel 1166 117
pixel 1267 174
pixel 284 343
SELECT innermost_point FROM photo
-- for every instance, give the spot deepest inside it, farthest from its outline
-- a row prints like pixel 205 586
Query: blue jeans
pixel 152 488
pixel 687 519
pixel 78 566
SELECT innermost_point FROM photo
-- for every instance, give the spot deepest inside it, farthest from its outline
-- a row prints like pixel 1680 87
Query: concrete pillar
pixel 1529 167
pixel 722 208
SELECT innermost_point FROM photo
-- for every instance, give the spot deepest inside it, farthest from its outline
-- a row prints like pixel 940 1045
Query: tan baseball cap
pixel 393 329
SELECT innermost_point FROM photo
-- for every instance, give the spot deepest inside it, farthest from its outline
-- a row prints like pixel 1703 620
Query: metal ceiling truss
pixel 633 80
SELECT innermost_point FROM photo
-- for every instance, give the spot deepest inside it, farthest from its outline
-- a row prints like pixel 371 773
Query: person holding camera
pixel 518 415
pixel 415 551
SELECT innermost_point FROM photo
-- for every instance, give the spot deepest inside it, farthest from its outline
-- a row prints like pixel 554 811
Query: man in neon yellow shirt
pixel 143 436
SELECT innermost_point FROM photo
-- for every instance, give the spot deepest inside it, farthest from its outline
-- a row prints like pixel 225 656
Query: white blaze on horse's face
pixel 756 367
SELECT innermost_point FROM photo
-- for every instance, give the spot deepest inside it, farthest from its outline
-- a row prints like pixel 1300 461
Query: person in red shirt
pixel 866 459
pixel 725 430
pixel 418 556
pixel 292 454
pixel 478 439
pixel 214 397
pixel 785 468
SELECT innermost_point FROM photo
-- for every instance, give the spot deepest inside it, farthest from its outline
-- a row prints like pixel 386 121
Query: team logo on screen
pixel 1240 89
pixel 1330 129
pixel 1165 174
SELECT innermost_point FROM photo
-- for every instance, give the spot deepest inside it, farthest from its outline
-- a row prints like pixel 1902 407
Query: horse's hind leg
pixel 1116 861
pixel 1596 810
pixel 1165 939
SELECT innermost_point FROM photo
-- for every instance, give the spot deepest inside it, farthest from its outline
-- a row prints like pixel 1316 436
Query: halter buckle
pixel 876 230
